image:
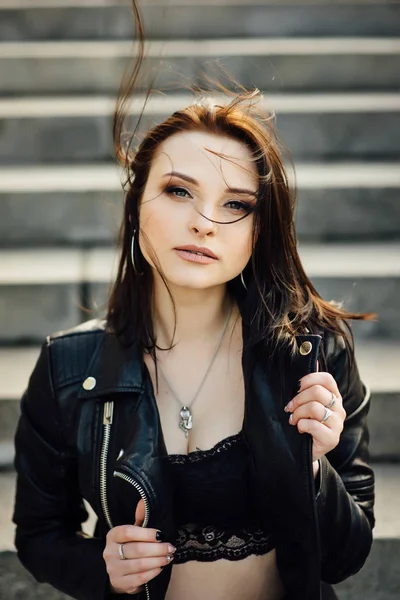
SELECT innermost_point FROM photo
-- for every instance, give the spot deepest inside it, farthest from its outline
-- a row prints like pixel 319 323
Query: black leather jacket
pixel 105 444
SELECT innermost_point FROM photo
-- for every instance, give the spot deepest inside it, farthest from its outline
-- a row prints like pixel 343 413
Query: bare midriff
pixel 252 578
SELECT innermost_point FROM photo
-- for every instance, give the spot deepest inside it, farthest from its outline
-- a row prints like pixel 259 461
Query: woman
pixel 215 420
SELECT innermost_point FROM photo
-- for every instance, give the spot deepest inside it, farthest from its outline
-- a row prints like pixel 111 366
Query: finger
pixel 316 411
pixel 321 435
pixel 132 533
pixel 322 378
pixel 146 549
pixel 140 513
pixel 316 393
pixel 143 565
pixel 130 583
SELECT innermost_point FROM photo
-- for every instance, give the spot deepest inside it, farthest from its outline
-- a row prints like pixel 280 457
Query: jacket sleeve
pixel 345 499
pixel 48 509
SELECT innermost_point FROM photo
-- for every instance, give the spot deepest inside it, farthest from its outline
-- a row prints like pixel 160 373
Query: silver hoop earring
pixel 242 280
pixel 133 253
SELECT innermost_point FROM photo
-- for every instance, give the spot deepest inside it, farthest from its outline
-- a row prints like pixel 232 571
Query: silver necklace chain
pixel 186 417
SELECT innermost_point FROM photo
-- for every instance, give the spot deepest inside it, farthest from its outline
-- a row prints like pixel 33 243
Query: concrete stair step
pixel 315 127
pixel 377 360
pixel 70 204
pixel 45 20
pixel 45 290
pixel 378 580
pixel 275 64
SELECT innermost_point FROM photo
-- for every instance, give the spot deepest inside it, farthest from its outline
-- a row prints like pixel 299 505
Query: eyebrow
pixel 194 182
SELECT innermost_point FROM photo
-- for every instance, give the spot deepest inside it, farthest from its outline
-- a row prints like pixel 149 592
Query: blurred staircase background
pixel 330 70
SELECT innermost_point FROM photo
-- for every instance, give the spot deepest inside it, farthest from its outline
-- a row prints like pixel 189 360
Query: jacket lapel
pixel 280 454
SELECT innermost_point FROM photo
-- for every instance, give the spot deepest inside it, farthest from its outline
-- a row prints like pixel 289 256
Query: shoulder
pixel 341 362
pixel 82 331
pixel 71 350
pixel 334 342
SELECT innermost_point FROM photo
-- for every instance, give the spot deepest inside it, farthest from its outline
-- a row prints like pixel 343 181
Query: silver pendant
pixel 186 422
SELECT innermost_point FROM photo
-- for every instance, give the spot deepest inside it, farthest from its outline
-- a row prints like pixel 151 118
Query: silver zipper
pixel 107 422
pixel 142 493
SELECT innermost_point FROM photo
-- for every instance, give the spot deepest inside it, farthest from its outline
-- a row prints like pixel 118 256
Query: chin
pixel 193 277
pixel 194 281
pixel 193 284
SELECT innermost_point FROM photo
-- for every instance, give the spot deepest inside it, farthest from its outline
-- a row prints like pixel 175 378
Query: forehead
pixel 206 157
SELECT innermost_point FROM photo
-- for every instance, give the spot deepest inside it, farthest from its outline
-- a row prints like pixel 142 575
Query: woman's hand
pixel 308 409
pixel 144 551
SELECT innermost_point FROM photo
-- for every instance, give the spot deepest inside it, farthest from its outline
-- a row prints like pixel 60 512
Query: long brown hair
pixel 280 301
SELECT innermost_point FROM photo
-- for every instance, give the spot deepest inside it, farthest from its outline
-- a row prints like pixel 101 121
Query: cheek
pixel 243 236
pixel 152 230
pixel 151 225
pixel 154 221
pixel 239 245
pixel 159 224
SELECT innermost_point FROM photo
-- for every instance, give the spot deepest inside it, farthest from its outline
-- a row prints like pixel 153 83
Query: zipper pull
pixel 108 413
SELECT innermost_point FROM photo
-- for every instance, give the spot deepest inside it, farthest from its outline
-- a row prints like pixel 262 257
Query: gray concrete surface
pixel 310 135
pixel 282 65
pixel 246 18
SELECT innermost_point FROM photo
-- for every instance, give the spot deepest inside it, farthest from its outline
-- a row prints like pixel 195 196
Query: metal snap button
pixel 89 383
pixel 305 348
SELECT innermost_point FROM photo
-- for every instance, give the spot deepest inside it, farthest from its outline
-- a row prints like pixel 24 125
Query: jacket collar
pixel 114 368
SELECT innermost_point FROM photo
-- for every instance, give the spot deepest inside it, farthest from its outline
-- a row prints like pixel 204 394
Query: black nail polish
pixel 160 537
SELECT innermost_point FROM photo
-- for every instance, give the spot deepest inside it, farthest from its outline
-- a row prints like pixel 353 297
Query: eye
pixel 237 205
pixel 177 191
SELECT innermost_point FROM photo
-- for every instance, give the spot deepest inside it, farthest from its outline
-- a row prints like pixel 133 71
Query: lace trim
pixel 198 454
pixel 209 543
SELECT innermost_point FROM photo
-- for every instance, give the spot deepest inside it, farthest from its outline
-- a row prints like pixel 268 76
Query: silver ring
pixel 121 551
pixel 332 402
pixel 328 413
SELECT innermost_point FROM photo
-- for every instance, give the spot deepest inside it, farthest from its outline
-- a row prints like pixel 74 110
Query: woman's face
pixel 169 213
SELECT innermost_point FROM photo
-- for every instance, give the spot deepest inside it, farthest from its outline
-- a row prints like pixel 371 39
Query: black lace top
pixel 214 515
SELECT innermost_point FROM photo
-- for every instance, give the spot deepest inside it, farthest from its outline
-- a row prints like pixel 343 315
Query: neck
pixel 200 314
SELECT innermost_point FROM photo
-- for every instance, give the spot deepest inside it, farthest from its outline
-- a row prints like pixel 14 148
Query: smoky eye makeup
pixel 236 200
pixel 177 191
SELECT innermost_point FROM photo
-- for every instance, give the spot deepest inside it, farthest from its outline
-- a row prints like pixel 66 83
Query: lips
pixel 200 250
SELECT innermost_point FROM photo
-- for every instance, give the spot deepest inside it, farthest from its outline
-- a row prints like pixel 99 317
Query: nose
pixel 201 225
